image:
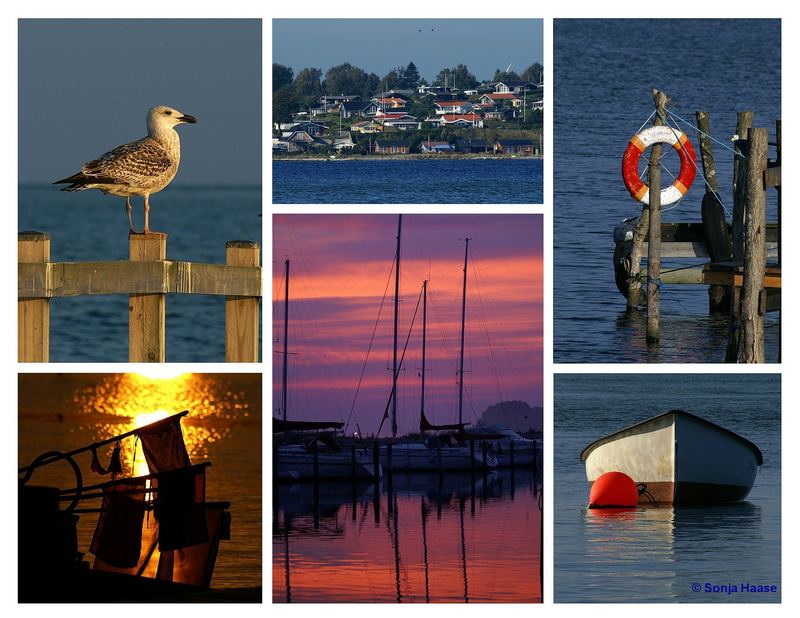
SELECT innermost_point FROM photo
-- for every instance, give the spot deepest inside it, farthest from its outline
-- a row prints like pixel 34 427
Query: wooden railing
pixel 147 278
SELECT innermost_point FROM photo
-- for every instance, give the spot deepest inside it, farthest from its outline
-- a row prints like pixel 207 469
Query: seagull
pixel 142 167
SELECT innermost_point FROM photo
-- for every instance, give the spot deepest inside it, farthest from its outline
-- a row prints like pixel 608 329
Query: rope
pixel 723 144
pixel 694 163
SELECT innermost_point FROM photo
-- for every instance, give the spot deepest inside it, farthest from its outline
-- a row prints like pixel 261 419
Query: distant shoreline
pixel 406 157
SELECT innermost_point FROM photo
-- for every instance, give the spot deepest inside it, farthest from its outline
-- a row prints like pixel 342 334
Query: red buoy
pixel 613 490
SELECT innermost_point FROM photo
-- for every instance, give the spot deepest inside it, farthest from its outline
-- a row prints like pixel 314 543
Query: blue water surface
pixel 408 181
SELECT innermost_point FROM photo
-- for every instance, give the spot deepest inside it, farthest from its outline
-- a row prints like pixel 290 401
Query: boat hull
pixel 680 458
pixel 295 464
pixel 420 458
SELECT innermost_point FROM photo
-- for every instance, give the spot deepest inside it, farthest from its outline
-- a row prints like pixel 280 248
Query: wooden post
pixel 755 253
pixel 654 234
pixel 744 120
pixel 511 454
pixel 146 312
pixel 712 211
pixel 637 249
pixel 353 462
pixel 241 313
pixel 33 314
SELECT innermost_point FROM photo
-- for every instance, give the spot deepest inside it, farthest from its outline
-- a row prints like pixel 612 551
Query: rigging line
pixel 694 164
pixel 400 364
pixel 308 317
pixel 316 324
pixel 369 348
pixel 711 137
pixel 649 118
pixel 276 295
pixel 503 347
pixel 491 358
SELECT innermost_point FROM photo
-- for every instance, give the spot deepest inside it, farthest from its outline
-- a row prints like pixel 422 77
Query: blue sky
pixel 377 45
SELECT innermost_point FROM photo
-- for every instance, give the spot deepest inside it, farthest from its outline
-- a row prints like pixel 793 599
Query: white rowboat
pixel 680 458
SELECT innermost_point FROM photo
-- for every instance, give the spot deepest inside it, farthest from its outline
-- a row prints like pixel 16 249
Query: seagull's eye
pixel 168 113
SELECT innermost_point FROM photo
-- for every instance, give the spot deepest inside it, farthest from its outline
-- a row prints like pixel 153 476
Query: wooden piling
pixel 755 255
pixel 744 120
pixel 147 312
pixel 634 296
pixel 713 215
pixel 654 233
pixel 33 314
pixel 241 313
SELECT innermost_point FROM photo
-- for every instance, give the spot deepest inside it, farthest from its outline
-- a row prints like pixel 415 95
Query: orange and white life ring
pixel 639 143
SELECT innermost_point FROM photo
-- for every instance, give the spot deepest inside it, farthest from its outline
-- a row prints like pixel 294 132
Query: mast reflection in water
pixel 415 539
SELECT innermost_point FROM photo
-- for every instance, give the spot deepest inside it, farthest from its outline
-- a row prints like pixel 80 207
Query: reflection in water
pixel 662 551
pixel 416 539
pixel 121 402
pixel 67 411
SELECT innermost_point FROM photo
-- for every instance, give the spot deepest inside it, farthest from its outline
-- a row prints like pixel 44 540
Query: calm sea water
pixel 656 554
pixel 223 426
pixel 90 226
pixel 421 543
pixel 602 86
pixel 456 181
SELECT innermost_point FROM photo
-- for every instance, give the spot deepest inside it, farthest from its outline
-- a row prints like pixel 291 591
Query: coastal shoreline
pixel 406 157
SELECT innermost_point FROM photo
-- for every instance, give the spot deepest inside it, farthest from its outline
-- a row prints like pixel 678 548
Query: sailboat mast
pixel 396 311
pixel 463 322
pixel 285 343
pixel 424 327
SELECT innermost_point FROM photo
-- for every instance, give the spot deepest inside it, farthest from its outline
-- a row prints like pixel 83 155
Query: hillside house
pixel 473 146
pixel 437 147
pixel 524 147
pixel 453 107
pixel 389 146
pixel 495 98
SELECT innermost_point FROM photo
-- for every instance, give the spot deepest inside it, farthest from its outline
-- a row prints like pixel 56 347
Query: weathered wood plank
pixel 242 313
pixel 33 314
pixel 65 279
pixel 147 312
pixel 695 249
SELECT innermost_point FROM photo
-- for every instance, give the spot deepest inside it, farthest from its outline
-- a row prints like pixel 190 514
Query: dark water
pixel 421 543
pixel 602 82
pixel 455 181
pixel 69 411
pixel 90 226
pixel 656 554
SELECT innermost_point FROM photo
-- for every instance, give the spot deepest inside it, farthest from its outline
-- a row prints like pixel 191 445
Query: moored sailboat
pixel 318 457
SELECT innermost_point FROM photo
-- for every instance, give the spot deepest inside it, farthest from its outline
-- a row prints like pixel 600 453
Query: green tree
pixel 308 85
pixel 393 79
pixel 533 73
pixel 410 76
pixel 284 104
pixel 347 79
pixel 505 76
pixel 457 77
pixel 281 76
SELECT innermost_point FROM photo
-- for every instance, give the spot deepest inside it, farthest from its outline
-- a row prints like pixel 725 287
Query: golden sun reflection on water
pixel 119 403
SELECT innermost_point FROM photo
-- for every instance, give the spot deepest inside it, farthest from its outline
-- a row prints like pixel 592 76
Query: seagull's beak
pixel 187 118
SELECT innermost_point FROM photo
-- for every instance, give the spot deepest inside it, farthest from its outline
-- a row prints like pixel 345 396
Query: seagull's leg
pixel 128 207
pixel 146 213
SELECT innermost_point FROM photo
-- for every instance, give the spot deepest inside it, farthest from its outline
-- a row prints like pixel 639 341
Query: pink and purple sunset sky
pixel 339 268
